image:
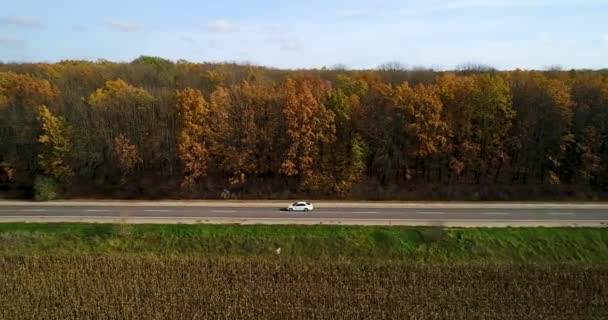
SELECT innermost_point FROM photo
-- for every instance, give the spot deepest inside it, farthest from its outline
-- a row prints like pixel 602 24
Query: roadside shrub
pixel 432 235
pixel 45 188
pixel 228 195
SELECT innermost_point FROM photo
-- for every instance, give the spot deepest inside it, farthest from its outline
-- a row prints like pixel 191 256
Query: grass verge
pixel 433 245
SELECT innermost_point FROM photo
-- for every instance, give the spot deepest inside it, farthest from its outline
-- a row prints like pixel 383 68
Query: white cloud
pixel 22 22
pixel 124 26
pixel 222 26
pixel 605 37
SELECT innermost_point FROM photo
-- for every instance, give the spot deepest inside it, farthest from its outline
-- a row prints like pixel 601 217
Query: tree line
pixel 154 128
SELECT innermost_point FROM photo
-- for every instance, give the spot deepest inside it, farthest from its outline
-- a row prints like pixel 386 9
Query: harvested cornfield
pixel 135 287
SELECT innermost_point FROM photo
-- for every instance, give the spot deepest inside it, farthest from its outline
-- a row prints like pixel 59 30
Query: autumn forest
pixel 153 128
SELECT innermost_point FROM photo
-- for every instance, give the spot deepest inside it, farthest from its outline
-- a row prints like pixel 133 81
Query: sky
pixel 440 34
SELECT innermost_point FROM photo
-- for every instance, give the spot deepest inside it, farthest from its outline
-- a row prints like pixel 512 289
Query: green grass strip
pixel 417 244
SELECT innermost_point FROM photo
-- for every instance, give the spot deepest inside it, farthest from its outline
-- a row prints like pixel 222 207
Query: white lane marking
pixel 223 211
pixel 495 213
pixel 156 210
pixel 34 210
pixel 292 219
pixel 430 212
pixel 271 221
pixel 560 213
pixel 97 210
pixel 364 212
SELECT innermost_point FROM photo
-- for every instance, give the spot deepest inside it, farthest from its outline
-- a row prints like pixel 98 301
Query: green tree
pixel 479 112
pixel 586 160
pixel 116 108
pixel 492 117
pixel 342 161
pixel 152 72
pixel 381 121
pixel 542 126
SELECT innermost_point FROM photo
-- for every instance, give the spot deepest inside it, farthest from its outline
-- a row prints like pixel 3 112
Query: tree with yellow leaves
pixel 56 143
pixel 20 97
pixel 479 112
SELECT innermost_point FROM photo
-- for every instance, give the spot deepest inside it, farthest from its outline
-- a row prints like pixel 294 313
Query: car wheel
pixel 290 209
pixel 305 209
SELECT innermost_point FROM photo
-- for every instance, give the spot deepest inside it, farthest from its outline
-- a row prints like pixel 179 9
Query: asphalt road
pixel 354 213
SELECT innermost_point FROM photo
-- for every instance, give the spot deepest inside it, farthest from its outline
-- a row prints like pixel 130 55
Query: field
pixel 82 271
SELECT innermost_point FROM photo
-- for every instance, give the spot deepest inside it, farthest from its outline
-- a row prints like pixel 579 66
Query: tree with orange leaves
pixel 192 145
pixel 309 124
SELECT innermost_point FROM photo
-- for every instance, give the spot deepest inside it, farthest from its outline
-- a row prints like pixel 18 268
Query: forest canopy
pixel 153 128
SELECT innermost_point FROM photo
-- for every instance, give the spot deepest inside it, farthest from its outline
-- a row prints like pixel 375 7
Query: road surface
pixel 345 213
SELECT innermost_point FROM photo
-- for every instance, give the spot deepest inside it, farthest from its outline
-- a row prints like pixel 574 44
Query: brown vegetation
pixel 154 128
pixel 177 288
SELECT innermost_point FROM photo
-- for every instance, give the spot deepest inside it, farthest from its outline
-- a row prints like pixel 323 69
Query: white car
pixel 300 206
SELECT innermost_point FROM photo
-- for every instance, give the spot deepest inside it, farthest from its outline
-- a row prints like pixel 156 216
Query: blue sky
pixel 506 34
